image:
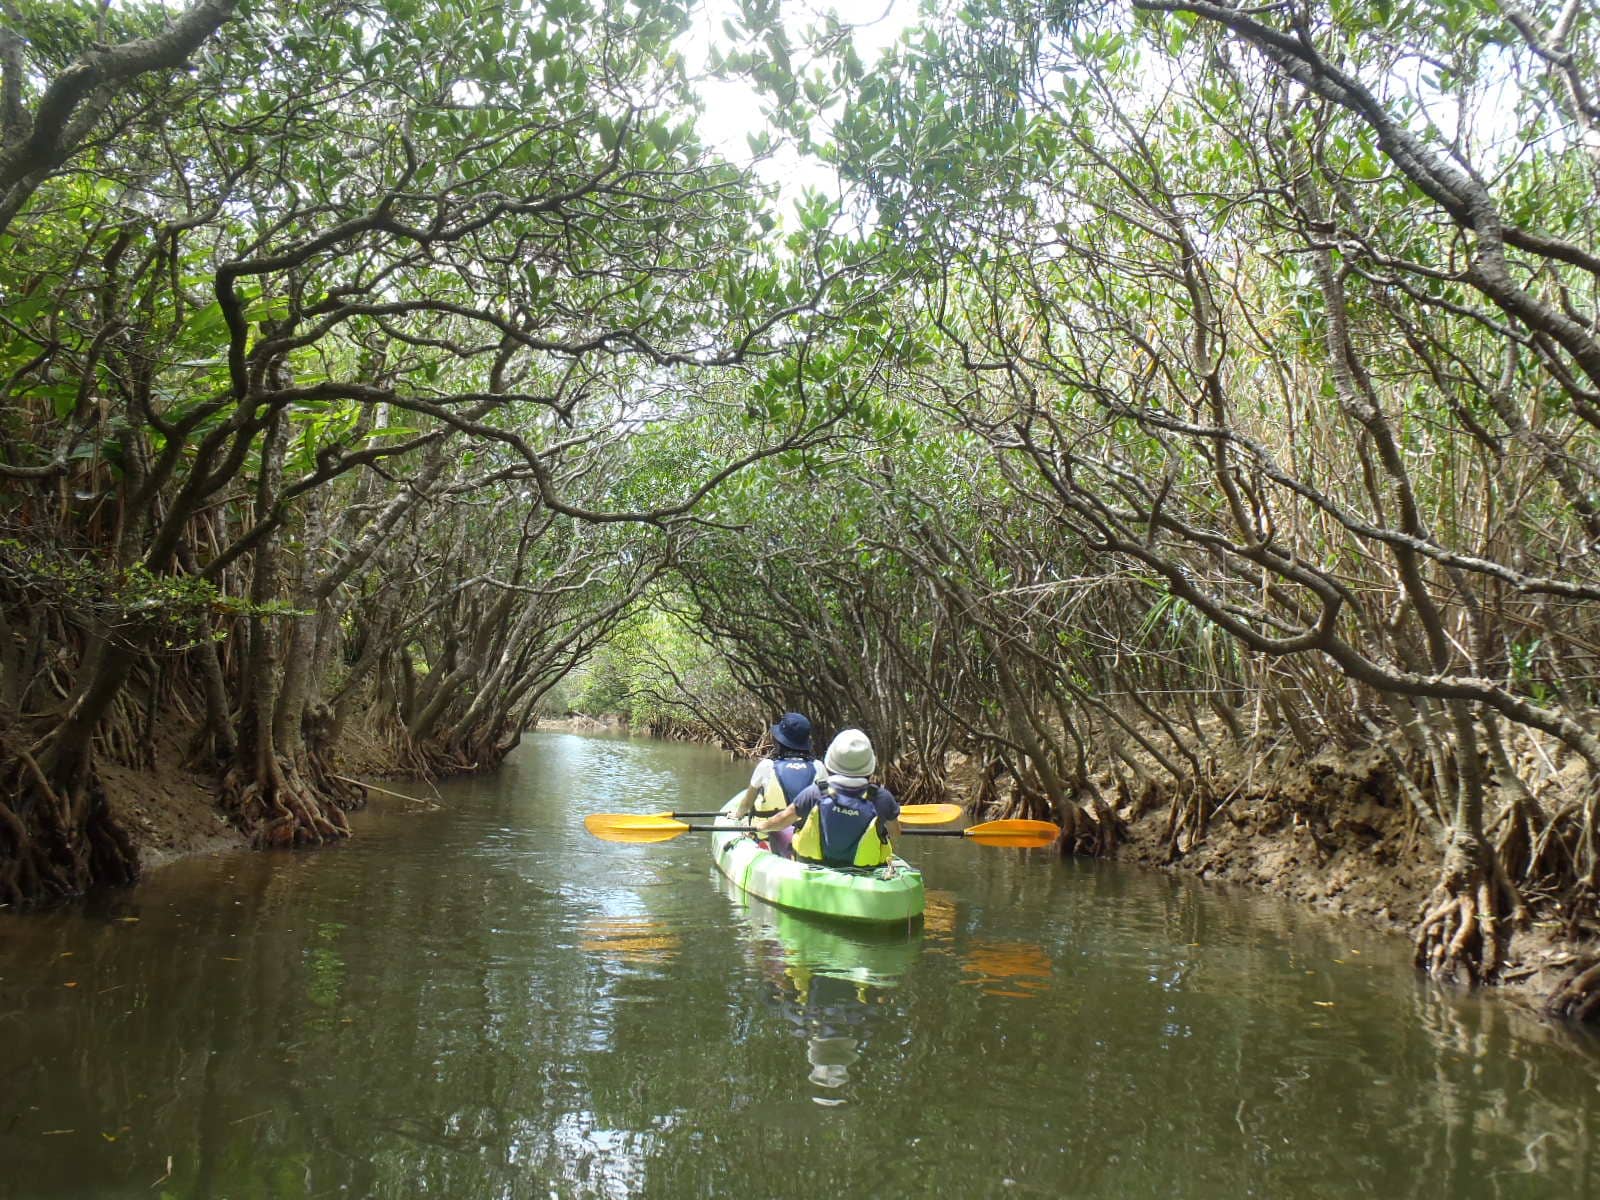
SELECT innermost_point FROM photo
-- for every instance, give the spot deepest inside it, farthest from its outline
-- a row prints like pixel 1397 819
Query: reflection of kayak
pixel 831 981
pixel 877 956
pixel 892 893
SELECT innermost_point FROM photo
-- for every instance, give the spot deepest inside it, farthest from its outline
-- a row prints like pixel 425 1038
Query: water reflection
pixel 939 915
pixel 1017 969
pixel 483 1001
pixel 832 982
pixel 1014 969
pixel 630 939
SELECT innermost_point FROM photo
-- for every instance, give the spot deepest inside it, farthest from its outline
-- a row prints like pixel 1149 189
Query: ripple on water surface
pixel 474 998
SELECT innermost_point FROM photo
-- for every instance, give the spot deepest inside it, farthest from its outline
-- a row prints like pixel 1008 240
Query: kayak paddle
pixel 910 814
pixel 644 828
pixel 1025 835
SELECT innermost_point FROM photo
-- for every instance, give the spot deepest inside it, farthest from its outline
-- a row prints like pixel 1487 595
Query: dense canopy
pixel 1162 387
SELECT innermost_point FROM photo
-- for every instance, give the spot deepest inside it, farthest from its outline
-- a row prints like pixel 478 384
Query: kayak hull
pixel 889 894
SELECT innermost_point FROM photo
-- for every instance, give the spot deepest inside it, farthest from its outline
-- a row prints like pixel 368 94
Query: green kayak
pixel 875 956
pixel 891 893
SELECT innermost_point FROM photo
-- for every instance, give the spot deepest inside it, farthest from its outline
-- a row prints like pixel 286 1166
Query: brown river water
pixel 479 1000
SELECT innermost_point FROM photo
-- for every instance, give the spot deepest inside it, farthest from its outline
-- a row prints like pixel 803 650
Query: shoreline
pixel 1331 839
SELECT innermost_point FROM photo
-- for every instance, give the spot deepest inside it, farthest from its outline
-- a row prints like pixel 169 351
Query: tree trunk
pixel 276 794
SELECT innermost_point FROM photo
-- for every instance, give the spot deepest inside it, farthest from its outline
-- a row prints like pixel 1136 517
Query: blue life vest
pixel 790 777
pixel 843 830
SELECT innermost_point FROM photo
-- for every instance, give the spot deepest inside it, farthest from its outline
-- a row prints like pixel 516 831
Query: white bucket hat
pixel 850 755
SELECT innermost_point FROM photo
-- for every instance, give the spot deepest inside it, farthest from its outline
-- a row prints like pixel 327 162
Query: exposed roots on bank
pixel 1577 996
pixel 282 806
pixel 57 840
pixel 1465 922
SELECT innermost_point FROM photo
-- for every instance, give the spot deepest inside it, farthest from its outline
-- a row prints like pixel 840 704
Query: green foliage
pixel 1110 302
pixel 123 602
pixel 657 672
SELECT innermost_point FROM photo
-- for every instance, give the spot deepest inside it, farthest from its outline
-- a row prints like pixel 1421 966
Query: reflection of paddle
pixel 630 939
pixel 1017 969
pixel 910 814
pixel 642 828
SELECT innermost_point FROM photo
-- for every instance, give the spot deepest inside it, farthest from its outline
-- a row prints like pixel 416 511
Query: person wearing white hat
pixel 845 820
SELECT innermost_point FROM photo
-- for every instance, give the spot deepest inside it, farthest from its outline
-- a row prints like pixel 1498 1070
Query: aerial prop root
pixel 1461 932
pixel 347 794
pixel 113 858
pixel 1092 830
pixel 1186 819
pixel 284 809
pixel 18 873
pixel 1577 996
pixel 57 839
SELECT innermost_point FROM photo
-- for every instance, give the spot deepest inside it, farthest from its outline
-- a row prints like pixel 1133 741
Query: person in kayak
pixel 844 820
pixel 778 780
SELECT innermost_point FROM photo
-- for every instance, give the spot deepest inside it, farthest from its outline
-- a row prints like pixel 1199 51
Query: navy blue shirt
pixel 883 800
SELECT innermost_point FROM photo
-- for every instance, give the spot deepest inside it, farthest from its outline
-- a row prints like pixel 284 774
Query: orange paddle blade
pixel 1018 833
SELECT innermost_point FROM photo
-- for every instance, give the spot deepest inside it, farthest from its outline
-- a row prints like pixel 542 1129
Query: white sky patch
pixel 734 108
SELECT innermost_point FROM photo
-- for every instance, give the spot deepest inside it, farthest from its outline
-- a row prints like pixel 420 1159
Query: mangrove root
pixel 1461 936
pixel 285 808
pixel 58 840
pixel 1577 996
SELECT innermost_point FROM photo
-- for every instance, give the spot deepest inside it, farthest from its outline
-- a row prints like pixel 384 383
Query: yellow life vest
pixel 797 773
pixel 858 817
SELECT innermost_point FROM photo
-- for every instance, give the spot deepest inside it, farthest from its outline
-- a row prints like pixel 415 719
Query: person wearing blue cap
pixel 845 820
pixel 777 780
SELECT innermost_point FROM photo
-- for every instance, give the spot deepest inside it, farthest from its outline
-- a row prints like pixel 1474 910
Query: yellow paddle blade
pixel 1022 834
pixel 638 828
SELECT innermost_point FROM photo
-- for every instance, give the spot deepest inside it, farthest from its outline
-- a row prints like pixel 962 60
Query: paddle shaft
pixel 749 829
pixel 645 828
pixel 912 812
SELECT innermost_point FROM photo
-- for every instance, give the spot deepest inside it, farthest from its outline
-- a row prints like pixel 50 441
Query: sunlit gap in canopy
pixel 734 117
pixel 662 394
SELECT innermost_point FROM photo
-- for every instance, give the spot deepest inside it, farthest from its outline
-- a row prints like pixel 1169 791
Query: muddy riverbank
pixel 1333 835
